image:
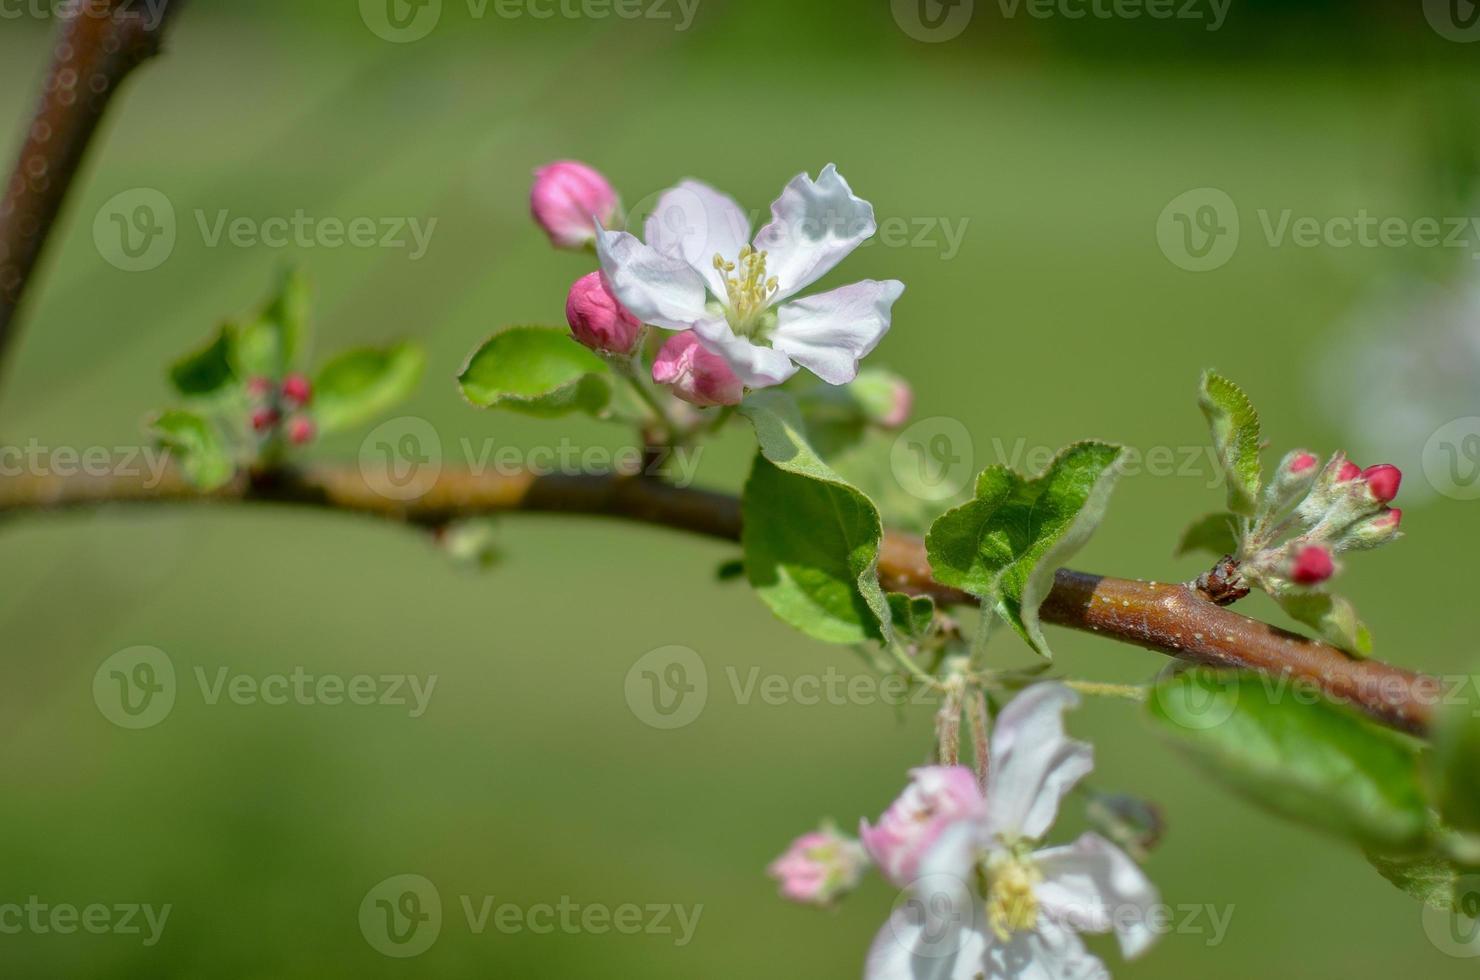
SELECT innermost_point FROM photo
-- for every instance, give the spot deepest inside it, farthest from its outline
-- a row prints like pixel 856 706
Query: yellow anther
pixel 1012 905
pixel 749 294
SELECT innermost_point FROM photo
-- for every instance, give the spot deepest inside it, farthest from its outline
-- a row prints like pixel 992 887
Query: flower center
pixel 1011 904
pixel 748 291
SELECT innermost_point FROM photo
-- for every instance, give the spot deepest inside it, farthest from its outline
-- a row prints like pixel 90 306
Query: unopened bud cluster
pixel 282 408
pixel 1313 513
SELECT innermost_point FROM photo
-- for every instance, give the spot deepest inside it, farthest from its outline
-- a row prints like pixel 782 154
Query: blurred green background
pixel 1057 142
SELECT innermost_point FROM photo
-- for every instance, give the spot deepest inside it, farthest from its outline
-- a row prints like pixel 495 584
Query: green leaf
pixel 1216 534
pixel 1457 764
pixel 536 371
pixel 1005 544
pixel 207 372
pixel 196 446
pixel 912 615
pixel 360 384
pixel 288 312
pixel 257 349
pixel 1235 426
pixel 811 540
pixel 1310 761
pixel 1333 618
pixel 1431 878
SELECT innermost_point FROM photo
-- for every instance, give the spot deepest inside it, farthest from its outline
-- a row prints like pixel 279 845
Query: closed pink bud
pixel 696 374
pixel 259 387
pixel 820 867
pixel 1303 463
pixel 597 319
pixel 568 199
pixel 901 405
pixel 1391 517
pixel 1312 566
pixel 1383 481
pixel 297 390
pixel 264 419
pixel 302 431
pixel 936 798
pixel 1348 471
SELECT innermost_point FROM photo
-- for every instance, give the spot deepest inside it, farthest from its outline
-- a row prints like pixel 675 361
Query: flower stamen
pixel 1012 905
pixel 750 293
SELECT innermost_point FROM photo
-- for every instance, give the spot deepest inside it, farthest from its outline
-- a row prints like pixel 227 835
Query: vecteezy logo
pixel 401 916
pixel 932 459
pixel 1456 931
pixel 933 916
pixel 135 231
pixel 1195 707
pixel 401 459
pixel 1451 459
pixel 932 21
pixel 401 21
pixel 1198 230
pixel 1454 20
pixel 135 688
pixel 668 687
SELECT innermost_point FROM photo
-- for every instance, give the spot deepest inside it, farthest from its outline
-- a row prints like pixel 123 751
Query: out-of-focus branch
pixel 98 44
pixel 1172 619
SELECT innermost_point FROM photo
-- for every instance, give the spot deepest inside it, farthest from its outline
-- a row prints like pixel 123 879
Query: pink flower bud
pixel 1302 463
pixel 597 319
pixel 936 798
pixel 259 387
pixel 1348 471
pixel 1312 566
pixel 696 374
pixel 820 867
pixel 1390 518
pixel 297 390
pixel 901 405
pixel 264 419
pixel 568 199
pixel 1383 481
pixel 301 431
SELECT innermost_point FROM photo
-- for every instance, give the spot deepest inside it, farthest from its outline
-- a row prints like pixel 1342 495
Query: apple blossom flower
pixel 695 374
pixel 820 867
pixel 596 318
pixel 568 200
pixel 990 905
pixel 701 270
pixel 936 798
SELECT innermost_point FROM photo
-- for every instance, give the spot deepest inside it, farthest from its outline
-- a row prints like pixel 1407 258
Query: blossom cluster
pixel 730 297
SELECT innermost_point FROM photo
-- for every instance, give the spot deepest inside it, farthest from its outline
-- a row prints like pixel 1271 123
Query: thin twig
pixel 1171 619
pixel 98 45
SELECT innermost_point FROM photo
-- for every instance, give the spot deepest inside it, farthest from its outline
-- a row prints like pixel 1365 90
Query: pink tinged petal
pixel 828 334
pixel 933 934
pixel 757 366
pixel 923 824
pixel 1034 764
pixel 695 222
pixel 695 374
pixel 656 288
pixel 814 225
pixel 1050 952
pixel 568 199
pixel 1094 886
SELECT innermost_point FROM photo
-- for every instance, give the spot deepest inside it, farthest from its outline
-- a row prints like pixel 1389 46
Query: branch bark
pixel 97 47
pixel 1171 619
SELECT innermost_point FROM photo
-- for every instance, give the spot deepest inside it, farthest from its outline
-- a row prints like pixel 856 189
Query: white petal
pixel 695 222
pixel 1048 953
pixel 1094 886
pixel 930 936
pixel 1033 762
pixel 757 366
pixel 814 225
pixel 656 288
pixel 828 334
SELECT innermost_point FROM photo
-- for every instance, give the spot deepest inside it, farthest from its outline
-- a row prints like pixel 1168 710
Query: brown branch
pixel 1171 619
pixel 97 47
